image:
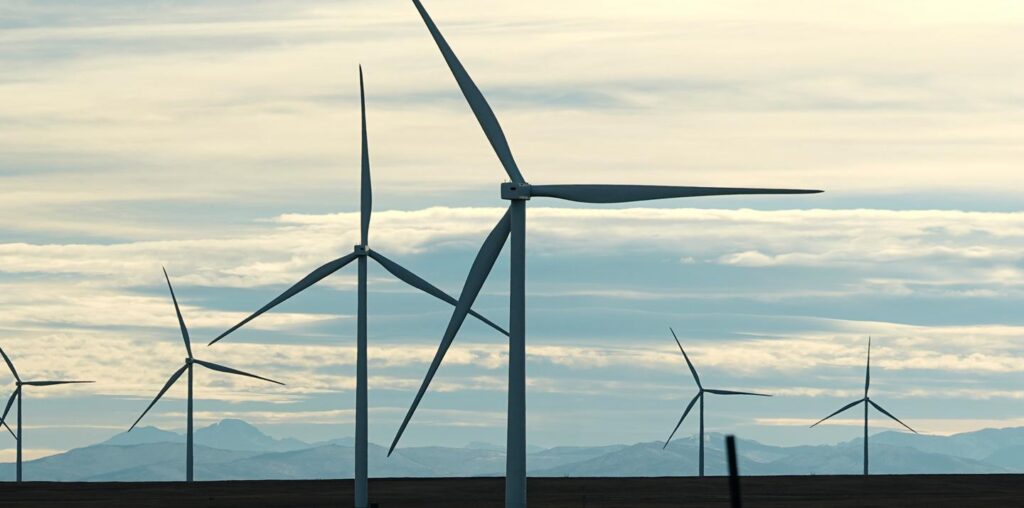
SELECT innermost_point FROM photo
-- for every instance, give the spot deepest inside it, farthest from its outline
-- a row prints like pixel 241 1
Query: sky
pixel 220 139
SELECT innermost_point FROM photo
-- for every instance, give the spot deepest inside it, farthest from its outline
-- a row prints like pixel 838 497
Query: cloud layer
pixel 222 142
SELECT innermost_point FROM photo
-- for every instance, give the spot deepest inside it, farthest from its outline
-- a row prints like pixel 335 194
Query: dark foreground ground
pixel 832 491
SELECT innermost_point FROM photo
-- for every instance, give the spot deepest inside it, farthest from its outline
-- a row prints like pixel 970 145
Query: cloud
pixel 228 108
pixel 310 369
pixel 935 426
pixel 895 251
pixel 425 416
pixel 216 140
pixel 8 455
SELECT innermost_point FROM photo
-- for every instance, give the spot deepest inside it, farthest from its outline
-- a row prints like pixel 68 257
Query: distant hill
pixel 227 434
pixel 149 461
pixel 234 449
pixel 975 445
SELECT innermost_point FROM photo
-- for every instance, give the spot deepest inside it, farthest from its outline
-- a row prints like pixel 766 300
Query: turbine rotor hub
pixel 361 250
pixel 516 191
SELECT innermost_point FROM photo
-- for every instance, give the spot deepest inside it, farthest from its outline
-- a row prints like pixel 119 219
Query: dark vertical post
pixel 735 499
pixel 865 437
pixel 700 437
pixel 362 414
pixel 188 438
pixel 21 394
pixel 515 455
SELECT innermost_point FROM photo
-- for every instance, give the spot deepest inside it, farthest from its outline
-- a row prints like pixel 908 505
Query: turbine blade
pixel 10 364
pixel 181 320
pixel 478 273
pixel 366 194
pixel 8 427
pixel 688 363
pixel 630 193
pixel 844 408
pixel 886 413
pixel 10 402
pixel 51 383
pixel 229 370
pixel 730 392
pixel 867 373
pixel 174 377
pixel 314 277
pixel 681 418
pixel 417 282
pixel 476 100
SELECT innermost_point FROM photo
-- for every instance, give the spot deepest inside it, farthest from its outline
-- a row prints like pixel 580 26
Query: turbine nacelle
pixel 516 191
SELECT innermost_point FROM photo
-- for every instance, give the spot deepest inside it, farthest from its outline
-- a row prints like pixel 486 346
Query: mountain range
pixel 236 450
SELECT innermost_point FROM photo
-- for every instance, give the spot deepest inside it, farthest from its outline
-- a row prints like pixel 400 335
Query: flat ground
pixel 801 491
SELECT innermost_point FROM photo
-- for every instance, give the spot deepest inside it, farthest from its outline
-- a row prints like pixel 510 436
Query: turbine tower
pixel 700 396
pixel 361 252
pixel 19 395
pixel 867 402
pixel 513 224
pixel 190 361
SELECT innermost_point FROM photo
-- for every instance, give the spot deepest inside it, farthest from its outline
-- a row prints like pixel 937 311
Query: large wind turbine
pixel 361 252
pixel 190 361
pixel 700 396
pixel 867 402
pixel 19 395
pixel 513 224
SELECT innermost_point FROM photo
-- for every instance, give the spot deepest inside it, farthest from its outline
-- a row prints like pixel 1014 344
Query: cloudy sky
pixel 220 139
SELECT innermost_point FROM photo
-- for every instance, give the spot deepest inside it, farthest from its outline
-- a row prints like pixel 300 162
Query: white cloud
pixel 225 108
pixel 181 124
pixel 897 251
pixel 935 426
pixel 8 455
pixel 424 416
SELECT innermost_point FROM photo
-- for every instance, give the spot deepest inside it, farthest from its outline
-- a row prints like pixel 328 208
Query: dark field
pixel 831 491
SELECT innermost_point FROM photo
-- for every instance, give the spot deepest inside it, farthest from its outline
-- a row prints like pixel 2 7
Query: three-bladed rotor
pixel 363 249
pixel 519 190
pixel 19 383
pixel 190 359
pixel 700 390
pixel 866 399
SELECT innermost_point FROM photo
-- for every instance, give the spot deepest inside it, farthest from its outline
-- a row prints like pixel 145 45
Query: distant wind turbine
pixel 867 402
pixel 513 224
pixel 700 396
pixel 361 252
pixel 18 394
pixel 189 362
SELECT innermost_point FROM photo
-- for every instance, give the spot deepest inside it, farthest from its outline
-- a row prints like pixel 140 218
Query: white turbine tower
pixel 700 397
pixel 19 395
pixel 867 402
pixel 361 252
pixel 190 361
pixel 513 224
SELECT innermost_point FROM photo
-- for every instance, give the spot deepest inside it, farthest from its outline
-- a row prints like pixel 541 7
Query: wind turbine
pixel 867 402
pixel 18 394
pixel 700 396
pixel 190 361
pixel 513 224
pixel 361 252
